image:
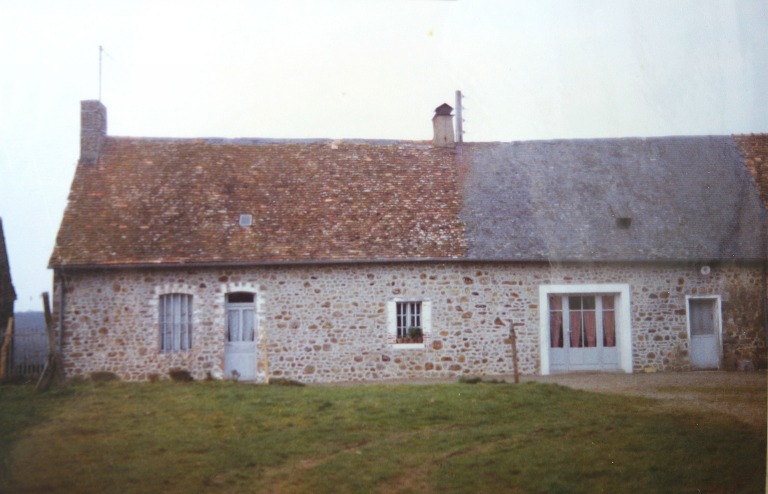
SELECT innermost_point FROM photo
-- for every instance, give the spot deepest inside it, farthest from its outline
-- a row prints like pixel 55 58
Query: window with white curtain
pixel 175 322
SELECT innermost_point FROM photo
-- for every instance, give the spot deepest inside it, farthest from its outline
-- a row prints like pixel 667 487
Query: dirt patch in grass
pixel 739 394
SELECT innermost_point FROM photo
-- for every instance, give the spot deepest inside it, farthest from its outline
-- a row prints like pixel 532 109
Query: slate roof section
pixel 177 201
pixel 688 198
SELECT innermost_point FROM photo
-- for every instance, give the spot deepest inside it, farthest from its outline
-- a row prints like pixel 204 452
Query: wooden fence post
pixel 53 370
pixel 7 341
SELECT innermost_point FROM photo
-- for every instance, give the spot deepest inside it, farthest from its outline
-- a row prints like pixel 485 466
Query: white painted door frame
pixel 623 319
pixel 717 340
pixel 240 353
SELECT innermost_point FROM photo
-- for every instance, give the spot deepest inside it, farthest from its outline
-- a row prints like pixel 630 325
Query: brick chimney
pixel 442 123
pixel 93 130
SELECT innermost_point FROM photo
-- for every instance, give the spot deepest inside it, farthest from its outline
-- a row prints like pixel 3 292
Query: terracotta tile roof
pixel 151 201
pixel 754 149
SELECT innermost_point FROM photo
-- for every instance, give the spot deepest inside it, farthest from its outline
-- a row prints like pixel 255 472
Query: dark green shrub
pixel 103 377
pixel 180 375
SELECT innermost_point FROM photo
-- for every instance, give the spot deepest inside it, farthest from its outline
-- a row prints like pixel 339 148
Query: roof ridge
pixel 271 140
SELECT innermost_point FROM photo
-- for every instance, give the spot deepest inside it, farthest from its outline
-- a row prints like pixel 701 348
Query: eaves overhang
pixel 453 260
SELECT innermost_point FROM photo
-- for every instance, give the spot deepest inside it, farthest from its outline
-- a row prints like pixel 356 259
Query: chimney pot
pixel 93 130
pixel 442 123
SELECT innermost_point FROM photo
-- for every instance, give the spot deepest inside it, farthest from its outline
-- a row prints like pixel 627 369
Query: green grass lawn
pixel 228 437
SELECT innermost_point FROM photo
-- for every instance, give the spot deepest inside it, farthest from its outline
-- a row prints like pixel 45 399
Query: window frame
pixel 245 332
pixel 408 315
pixel 567 311
pixel 718 314
pixel 425 319
pixel 182 323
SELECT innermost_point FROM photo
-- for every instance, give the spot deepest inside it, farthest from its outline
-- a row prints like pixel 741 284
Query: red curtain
pixel 609 322
pixel 575 329
pixel 556 329
pixel 556 322
pixel 590 328
pixel 582 325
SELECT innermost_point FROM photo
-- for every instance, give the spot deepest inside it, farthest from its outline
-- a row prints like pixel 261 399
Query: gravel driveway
pixel 741 394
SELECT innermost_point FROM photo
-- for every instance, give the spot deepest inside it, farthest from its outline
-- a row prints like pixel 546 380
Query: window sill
pixel 408 346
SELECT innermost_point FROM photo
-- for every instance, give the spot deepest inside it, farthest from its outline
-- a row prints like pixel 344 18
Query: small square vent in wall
pixel 246 220
pixel 624 222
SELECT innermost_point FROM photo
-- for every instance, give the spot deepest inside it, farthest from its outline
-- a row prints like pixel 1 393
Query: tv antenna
pixel 102 52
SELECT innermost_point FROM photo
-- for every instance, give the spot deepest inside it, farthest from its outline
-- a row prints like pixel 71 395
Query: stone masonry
pixel 328 323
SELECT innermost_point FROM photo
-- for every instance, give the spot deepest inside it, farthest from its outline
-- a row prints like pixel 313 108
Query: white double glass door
pixel 582 333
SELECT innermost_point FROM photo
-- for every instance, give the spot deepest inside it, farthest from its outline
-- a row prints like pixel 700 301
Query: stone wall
pixel 329 323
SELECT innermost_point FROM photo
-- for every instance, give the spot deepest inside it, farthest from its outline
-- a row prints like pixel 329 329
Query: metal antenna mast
pixel 459 119
pixel 101 50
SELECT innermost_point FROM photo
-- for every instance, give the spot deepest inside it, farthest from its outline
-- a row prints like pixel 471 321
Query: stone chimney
pixel 442 123
pixel 93 130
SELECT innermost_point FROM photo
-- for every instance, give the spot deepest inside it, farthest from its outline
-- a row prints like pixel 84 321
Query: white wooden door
pixel 240 348
pixel 705 337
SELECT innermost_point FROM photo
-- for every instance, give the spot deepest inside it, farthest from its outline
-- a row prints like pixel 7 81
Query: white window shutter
pixel 426 316
pixel 392 318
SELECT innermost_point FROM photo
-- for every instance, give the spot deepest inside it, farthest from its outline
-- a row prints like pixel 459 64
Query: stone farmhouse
pixel 364 260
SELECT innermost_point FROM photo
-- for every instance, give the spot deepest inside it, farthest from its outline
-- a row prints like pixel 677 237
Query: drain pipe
pixel 765 323
pixel 513 338
pixel 765 296
pixel 266 358
pixel 62 289
pixel 765 301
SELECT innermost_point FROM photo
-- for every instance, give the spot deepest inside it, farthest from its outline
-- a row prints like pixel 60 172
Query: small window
pixel 246 220
pixel 175 322
pixel 240 298
pixel 409 323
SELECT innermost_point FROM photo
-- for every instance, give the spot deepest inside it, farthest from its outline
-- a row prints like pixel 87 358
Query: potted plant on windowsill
pixel 415 335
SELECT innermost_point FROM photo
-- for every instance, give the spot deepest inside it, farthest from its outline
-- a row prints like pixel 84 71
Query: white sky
pixel 356 69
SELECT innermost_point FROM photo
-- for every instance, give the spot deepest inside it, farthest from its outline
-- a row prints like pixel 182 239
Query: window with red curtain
pixel 583 321
pixel 556 321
